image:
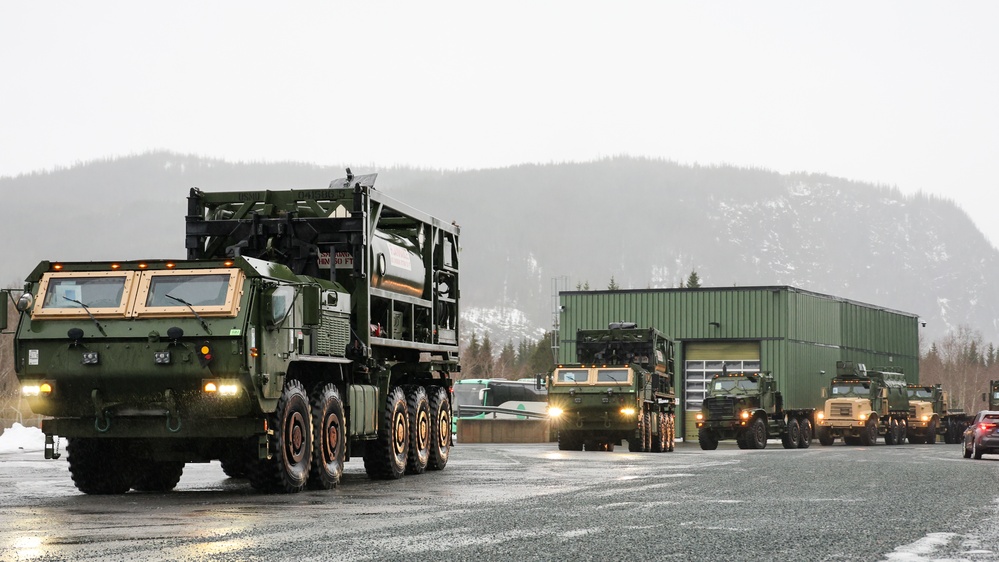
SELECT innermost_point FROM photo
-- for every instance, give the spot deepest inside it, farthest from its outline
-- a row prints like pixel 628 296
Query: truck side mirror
pixel 4 297
pixel 984 395
pixel 310 305
pixel 825 392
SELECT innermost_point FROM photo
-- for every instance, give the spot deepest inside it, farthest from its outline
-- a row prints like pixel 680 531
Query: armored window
pixel 209 292
pixel 613 376
pixel 571 376
pixel 72 294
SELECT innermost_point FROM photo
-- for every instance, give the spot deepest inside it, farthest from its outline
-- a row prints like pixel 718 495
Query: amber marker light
pixel 211 387
pixel 143 265
pixel 171 265
pixel 45 388
pixel 228 263
pixel 116 266
pixel 57 266
pixel 254 352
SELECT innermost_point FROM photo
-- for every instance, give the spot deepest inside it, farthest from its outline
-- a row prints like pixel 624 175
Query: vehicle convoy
pixel 305 327
pixel 750 409
pixel 930 415
pixel 863 404
pixel 621 388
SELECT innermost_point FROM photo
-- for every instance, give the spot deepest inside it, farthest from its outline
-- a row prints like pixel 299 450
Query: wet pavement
pixel 533 502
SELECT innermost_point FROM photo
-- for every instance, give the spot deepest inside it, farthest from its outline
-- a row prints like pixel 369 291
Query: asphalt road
pixel 533 502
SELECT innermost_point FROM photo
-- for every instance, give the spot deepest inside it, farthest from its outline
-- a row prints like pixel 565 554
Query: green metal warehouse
pixel 795 334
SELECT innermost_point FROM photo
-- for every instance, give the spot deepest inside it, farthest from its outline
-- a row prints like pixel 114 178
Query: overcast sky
pixel 903 93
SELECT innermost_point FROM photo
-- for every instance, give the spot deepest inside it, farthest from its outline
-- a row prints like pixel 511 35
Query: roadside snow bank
pixel 20 438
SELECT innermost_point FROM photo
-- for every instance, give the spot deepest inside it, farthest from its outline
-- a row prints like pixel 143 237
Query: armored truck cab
pixel 304 328
pixel 750 409
pixel 930 415
pixel 620 389
pixel 992 398
pixel 862 404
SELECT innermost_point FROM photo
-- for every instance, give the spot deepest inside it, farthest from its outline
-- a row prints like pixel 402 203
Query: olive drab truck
pixel 930 415
pixel 621 388
pixel 992 398
pixel 748 407
pixel 304 328
pixel 862 404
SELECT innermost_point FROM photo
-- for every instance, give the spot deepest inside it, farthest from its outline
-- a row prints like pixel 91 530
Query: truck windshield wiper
pixel 195 312
pixel 87 310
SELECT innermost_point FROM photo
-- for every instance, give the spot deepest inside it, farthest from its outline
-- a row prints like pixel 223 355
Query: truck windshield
pixel 920 393
pixel 571 376
pixel 850 390
pixel 612 376
pixel 722 386
pixel 92 292
pixel 198 290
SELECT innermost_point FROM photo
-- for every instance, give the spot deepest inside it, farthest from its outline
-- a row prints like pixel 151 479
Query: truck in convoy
pixel 304 328
pixel 749 408
pixel 992 398
pixel 930 415
pixel 862 404
pixel 621 388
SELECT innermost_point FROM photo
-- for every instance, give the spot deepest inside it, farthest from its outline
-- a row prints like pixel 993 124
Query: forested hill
pixel 644 223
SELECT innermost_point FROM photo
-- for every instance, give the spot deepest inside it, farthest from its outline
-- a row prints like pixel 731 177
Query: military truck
pixel 621 388
pixel 304 328
pixel 930 415
pixel 992 398
pixel 862 404
pixel 748 407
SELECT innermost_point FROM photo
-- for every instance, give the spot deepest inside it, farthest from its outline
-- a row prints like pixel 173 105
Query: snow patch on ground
pixel 923 548
pixel 19 438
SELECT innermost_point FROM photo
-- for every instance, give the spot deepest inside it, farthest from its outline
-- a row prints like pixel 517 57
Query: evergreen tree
pixel 487 364
pixel 506 365
pixel 613 286
pixel 693 281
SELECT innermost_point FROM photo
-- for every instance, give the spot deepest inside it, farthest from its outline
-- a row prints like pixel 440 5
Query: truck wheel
pixel 825 436
pixel 637 438
pixel 791 435
pixel 385 457
pixel 931 433
pixel 659 439
pixel 440 429
pixel 569 441
pixel 758 434
pixel 419 430
pixel 235 463
pixel 805 435
pixel 671 434
pixel 328 444
pixel 742 438
pixel 707 439
pixel 892 434
pixel 869 435
pixel 291 448
pixel 89 460
pixel 158 476
pixel 646 432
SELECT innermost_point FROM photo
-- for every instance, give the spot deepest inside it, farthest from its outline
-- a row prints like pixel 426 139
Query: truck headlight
pixel 862 417
pixel 628 411
pixel 820 416
pixel 744 415
pixel 221 388
pixel 699 416
pixel 32 390
pixel 554 411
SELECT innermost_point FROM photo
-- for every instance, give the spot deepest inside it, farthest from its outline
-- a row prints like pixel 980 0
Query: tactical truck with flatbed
pixel 930 415
pixel 863 404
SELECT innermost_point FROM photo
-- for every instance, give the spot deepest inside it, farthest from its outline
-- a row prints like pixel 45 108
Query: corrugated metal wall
pixel 801 334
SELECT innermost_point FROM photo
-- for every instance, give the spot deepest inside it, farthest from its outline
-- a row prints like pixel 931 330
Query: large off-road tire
pixel 792 434
pixel 825 436
pixel 157 476
pixel 659 437
pixel 385 458
pixel 891 435
pixel 288 468
pixel 869 435
pixel 647 432
pixel 742 438
pixel 419 430
pixel 707 439
pixel 757 438
pixel 440 428
pixel 671 432
pixel 903 429
pixel 931 433
pixel 328 438
pixel 235 464
pixel 100 466
pixel 805 434
pixel 637 438
pixel 569 440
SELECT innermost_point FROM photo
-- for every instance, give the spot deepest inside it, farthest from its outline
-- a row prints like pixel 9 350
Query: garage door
pixel 704 360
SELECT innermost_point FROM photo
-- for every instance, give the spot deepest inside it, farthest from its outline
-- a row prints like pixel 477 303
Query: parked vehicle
pixel 621 389
pixel 982 436
pixel 305 327
pixel 863 404
pixel 930 415
pixel 750 409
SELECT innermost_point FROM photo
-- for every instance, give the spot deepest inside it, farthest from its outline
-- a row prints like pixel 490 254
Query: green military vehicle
pixel 862 404
pixel 992 398
pixel 305 327
pixel 930 415
pixel 748 407
pixel 620 389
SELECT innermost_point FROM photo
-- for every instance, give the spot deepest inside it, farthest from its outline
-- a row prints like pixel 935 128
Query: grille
pixel 333 336
pixel 720 406
pixel 841 409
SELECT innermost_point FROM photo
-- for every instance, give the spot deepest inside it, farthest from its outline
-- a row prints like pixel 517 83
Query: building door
pixel 704 360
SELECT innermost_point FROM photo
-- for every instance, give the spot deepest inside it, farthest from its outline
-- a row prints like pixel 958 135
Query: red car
pixel 982 436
